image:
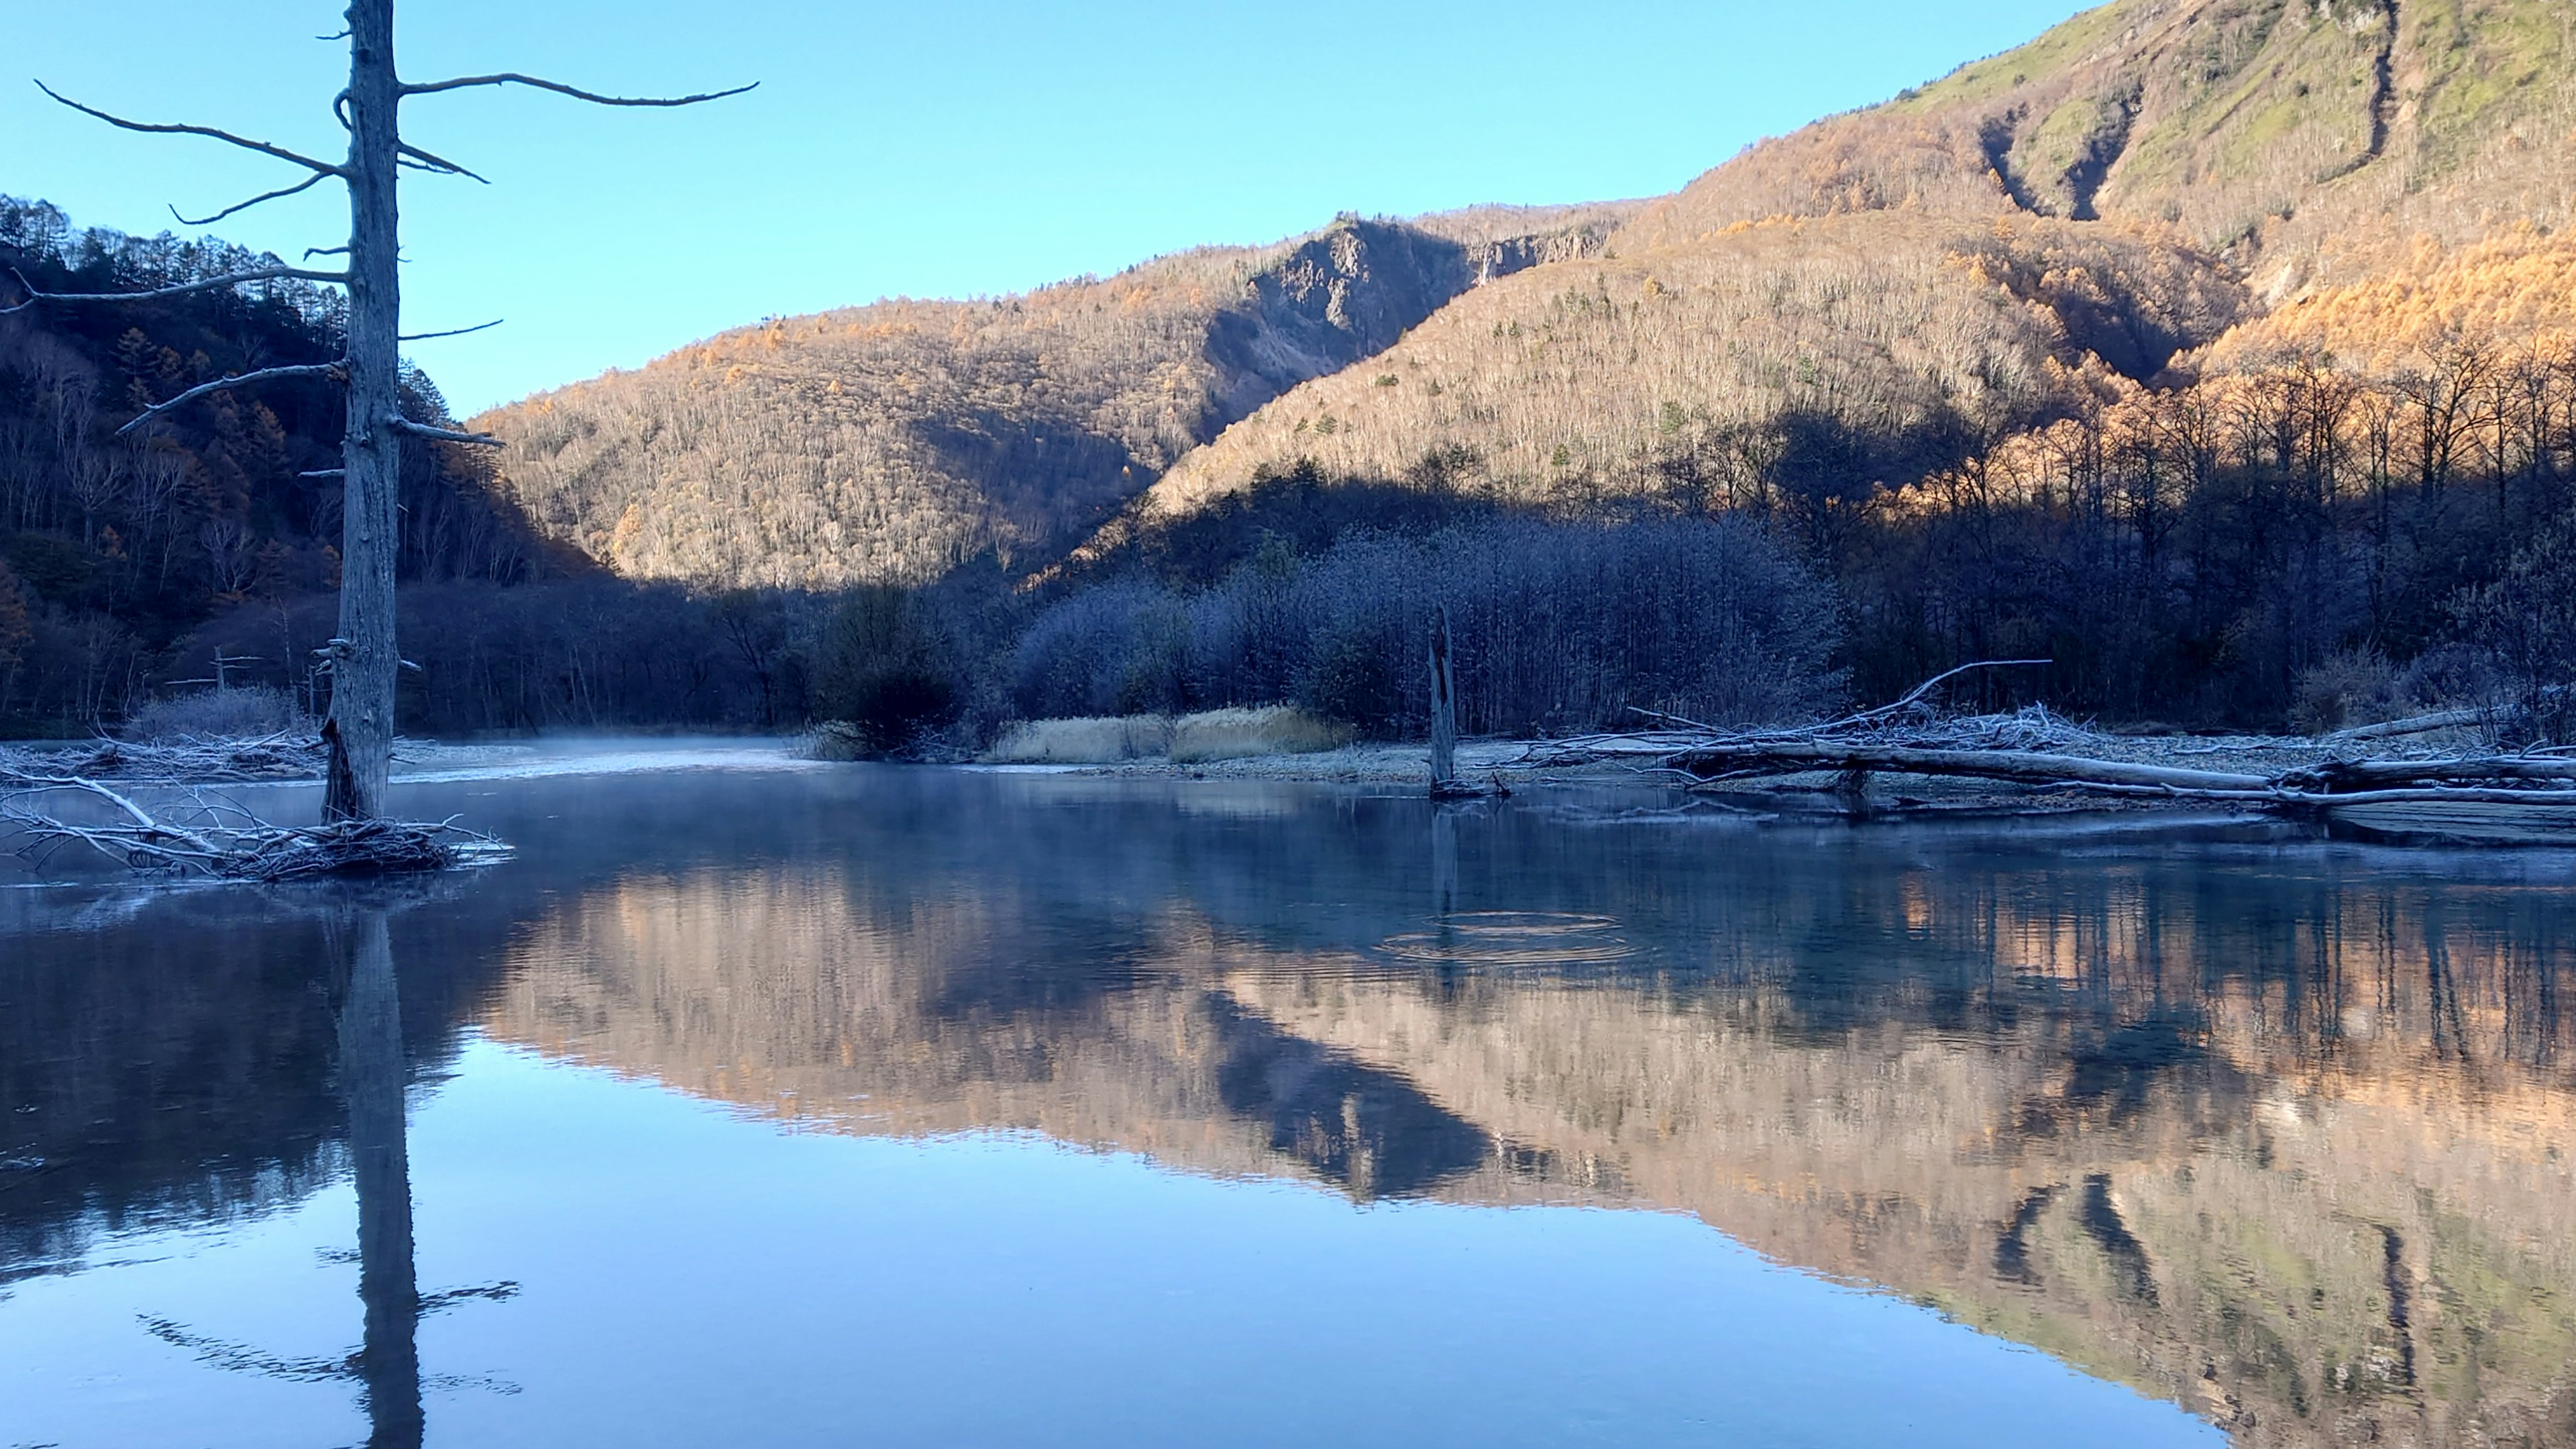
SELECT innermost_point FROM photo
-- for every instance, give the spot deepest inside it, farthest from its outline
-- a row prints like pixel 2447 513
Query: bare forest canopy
pixel 2222 352
pixel 885 444
pixel 115 547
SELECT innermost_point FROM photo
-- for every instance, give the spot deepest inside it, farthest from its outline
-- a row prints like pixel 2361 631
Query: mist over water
pixel 930 1106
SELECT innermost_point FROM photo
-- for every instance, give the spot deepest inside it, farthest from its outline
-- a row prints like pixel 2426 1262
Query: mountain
pixel 889 442
pixel 2155 185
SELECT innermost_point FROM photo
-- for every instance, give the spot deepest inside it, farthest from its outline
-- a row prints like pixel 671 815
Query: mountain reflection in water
pixel 2275 1130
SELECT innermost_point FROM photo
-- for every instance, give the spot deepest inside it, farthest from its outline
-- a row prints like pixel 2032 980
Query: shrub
pixel 883 671
pixel 235 712
pixel 2353 687
pixel 1082 741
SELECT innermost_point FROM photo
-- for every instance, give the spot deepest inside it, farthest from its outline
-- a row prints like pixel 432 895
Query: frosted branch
pixel 452 331
pixel 443 435
pixel 420 160
pixel 306 184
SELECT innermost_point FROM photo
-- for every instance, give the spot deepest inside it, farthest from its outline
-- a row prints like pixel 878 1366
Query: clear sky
pixel 938 148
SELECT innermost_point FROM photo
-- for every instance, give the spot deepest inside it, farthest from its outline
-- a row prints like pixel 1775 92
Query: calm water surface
pixel 856 1105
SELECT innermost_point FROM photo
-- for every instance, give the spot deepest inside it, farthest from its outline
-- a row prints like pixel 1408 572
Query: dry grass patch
pixel 1104 741
pixel 1220 734
pixel 1235 734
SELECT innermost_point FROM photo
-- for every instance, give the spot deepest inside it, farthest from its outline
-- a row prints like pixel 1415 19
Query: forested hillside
pixel 887 443
pixel 2118 192
pixel 2223 352
pixel 149 566
pixel 114 546
pixel 2159 345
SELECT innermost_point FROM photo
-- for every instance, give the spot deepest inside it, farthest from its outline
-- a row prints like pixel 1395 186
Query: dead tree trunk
pixel 363 655
pixel 363 659
pixel 1444 709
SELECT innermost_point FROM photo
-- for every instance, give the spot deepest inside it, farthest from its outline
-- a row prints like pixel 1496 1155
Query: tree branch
pixel 423 161
pixel 227 384
pixel 452 332
pixel 229 279
pixel 513 78
pixel 402 424
pixel 306 184
pixel 247 144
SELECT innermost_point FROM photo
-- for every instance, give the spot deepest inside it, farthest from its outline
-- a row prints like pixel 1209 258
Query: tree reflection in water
pixel 372 1076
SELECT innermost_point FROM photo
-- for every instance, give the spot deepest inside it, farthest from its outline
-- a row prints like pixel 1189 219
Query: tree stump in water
pixel 1444 714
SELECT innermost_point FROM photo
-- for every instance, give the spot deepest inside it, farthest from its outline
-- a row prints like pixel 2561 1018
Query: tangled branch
pixel 206 835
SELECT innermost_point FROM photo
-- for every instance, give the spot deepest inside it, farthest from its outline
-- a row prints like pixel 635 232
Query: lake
pixel 823 1105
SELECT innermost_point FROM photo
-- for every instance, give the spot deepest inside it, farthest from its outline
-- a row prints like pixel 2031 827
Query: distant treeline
pixel 1556 627
pixel 2288 545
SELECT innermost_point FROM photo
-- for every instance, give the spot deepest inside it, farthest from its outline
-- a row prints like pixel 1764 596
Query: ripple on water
pixel 1513 940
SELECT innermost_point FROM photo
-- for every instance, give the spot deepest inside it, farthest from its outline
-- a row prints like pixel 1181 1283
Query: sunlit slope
pixel 1993 247
pixel 1649 370
pixel 887 442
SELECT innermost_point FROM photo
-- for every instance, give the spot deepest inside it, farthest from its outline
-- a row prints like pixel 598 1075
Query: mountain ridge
pixel 887 443
pixel 2141 195
pixel 2284 154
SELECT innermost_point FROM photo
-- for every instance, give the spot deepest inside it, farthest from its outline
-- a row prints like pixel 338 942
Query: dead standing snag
pixel 364 661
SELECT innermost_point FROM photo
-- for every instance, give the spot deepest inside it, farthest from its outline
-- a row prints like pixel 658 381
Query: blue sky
pixel 971 146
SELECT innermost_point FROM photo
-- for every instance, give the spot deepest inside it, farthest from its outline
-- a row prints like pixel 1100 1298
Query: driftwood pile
pixel 287 755
pixel 2033 749
pixel 56 800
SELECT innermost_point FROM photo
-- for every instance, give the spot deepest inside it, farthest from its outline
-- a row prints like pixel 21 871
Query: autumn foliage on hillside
pixel 1588 380
pixel 890 442
pixel 2278 294
pixel 115 546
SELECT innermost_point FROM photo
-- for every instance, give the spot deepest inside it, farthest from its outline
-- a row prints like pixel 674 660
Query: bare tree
pixel 363 659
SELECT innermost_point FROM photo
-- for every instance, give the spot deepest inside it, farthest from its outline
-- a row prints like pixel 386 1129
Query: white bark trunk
pixel 364 657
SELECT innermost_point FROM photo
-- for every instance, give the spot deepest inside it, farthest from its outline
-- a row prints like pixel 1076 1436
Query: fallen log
pixel 2341 775
pixel 1791 757
pixel 1856 748
pixel 2421 724
pixel 2294 788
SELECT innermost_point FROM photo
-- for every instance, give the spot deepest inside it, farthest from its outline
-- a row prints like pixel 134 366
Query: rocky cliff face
pixel 1346 293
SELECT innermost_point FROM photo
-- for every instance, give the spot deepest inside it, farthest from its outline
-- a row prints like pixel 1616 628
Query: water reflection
pixel 2274 1130
pixel 237 1067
